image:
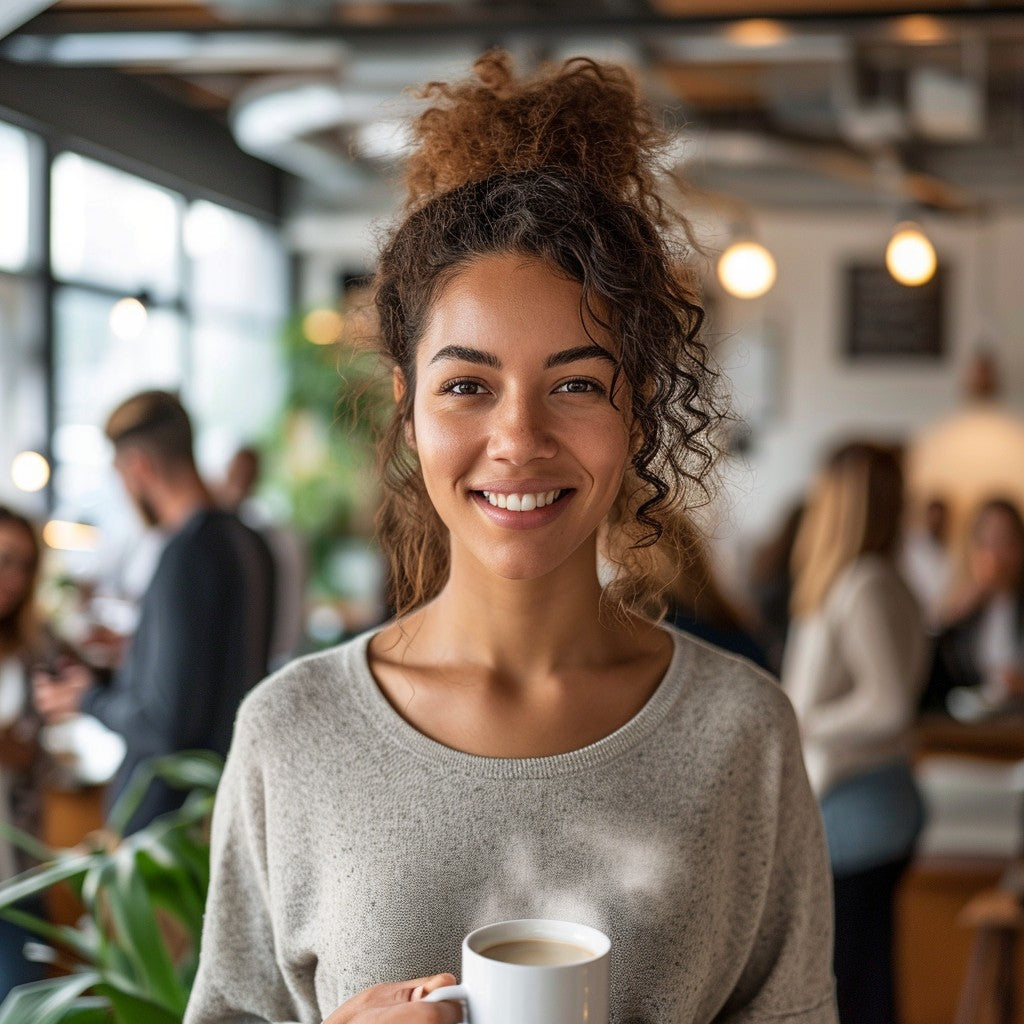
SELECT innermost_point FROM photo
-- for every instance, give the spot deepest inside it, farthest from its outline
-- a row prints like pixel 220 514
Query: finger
pixel 445 1012
pixel 430 984
pixel 398 992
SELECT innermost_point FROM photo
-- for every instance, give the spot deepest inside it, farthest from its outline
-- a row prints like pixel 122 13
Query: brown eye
pixel 581 386
pixel 462 387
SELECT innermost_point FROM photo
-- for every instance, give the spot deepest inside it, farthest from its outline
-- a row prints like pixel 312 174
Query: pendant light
pixel 910 256
pixel 746 269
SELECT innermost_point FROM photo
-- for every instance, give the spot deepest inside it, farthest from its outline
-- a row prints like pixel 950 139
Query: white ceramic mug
pixel 497 992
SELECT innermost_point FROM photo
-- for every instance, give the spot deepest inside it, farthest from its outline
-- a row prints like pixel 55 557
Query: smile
pixel 522 502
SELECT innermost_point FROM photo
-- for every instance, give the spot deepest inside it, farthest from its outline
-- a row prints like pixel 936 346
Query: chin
pixel 523 568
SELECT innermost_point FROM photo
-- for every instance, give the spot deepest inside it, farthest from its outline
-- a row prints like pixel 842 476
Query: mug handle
pixel 456 993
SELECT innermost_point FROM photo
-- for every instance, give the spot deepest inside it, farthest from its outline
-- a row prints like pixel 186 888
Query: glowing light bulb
pixel 909 256
pixel 322 326
pixel 746 270
pixel 29 471
pixel 62 535
pixel 128 319
pixel 757 32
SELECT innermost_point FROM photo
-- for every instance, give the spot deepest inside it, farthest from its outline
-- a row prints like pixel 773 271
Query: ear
pixel 399 388
pixel 131 459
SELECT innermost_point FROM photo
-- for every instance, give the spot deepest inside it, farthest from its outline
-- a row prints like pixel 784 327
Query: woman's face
pixel 521 449
pixel 17 558
pixel 997 555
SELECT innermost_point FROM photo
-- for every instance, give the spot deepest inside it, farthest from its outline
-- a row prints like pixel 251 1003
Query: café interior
pixel 191 196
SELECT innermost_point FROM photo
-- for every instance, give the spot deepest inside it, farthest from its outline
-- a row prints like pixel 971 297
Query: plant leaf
pixel 88 1010
pixel 138 933
pixel 191 769
pixel 27 842
pixel 83 944
pixel 45 1002
pixel 131 1008
pixel 37 880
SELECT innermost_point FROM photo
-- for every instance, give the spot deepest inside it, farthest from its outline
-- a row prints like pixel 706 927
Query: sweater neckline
pixel 398 731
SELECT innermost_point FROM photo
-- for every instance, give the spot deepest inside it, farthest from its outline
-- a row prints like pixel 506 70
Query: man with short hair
pixel 205 622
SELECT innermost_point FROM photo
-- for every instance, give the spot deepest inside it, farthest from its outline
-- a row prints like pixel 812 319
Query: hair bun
pixel 582 117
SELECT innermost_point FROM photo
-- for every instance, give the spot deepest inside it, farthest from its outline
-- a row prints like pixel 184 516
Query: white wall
pixel 819 396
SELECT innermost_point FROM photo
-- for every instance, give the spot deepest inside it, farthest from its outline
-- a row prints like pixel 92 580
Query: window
pixel 18 155
pixel 113 229
pixel 238 300
pixel 23 424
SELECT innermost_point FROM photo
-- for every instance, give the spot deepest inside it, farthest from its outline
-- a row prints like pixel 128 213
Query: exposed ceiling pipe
pixel 870 173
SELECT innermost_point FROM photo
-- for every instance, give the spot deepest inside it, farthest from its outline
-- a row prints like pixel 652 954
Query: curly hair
pixel 559 168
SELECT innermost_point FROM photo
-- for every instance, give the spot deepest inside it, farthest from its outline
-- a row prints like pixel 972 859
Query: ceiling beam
pixel 16 13
pixel 490 22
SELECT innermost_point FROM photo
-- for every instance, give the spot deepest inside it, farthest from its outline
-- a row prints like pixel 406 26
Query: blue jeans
pixel 873 818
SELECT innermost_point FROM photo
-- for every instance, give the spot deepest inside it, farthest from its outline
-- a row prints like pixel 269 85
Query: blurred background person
pixel 771 586
pixel 975 452
pixel 237 492
pixel 23 643
pixel 697 602
pixel 978 665
pixel 853 668
pixel 926 560
pixel 204 629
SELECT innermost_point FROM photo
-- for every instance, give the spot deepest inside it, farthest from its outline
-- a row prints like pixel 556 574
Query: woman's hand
pixel 60 696
pixel 399 1003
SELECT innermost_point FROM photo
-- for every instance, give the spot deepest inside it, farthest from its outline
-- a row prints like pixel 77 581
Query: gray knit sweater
pixel 349 849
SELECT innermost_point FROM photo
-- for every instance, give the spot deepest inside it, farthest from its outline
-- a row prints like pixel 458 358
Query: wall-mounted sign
pixel 886 319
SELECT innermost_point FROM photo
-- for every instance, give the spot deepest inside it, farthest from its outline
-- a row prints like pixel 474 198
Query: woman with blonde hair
pixel 521 741
pixel 854 667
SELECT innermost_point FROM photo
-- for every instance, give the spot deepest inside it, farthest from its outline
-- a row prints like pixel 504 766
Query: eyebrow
pixel 481 358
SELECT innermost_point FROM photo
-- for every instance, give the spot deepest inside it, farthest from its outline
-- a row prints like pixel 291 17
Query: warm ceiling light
pixel 62 535
pixel 128 319
pixel 909 256
pixel 920 29
pixel 322 326
pixel 756 32
pixel 29 471
pixel 746 270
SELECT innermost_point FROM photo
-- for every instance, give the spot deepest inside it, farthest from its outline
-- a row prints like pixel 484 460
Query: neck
pixel 177 499
pixel 520 628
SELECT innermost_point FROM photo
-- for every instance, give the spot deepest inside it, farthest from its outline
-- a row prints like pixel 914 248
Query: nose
pixel 520 431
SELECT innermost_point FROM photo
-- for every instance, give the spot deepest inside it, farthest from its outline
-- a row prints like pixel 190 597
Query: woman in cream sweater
pixel 853 669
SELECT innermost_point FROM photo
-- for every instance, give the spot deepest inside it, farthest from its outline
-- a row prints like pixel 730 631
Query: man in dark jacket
pixel 205 622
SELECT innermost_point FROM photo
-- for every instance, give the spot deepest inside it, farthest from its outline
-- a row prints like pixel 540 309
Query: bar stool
pixel 998 917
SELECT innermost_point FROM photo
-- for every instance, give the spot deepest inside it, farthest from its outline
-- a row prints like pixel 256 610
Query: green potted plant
pixel 133 955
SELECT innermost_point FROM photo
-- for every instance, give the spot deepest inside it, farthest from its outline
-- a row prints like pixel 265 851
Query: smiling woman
pixel 513 404
pixel 522 741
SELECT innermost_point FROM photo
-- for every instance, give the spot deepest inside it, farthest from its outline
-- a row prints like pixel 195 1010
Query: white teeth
pixel 521 502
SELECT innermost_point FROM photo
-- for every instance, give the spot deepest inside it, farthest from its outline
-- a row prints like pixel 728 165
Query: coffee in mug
pixel 542 952
pixel 532 972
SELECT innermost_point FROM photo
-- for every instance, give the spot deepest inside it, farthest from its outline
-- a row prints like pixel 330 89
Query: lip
pixel 511 520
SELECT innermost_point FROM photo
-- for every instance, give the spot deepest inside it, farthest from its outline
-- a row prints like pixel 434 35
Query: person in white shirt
pixel 853 668
pixel 926 560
